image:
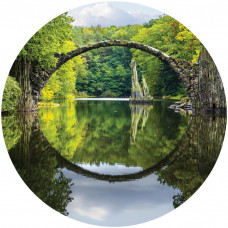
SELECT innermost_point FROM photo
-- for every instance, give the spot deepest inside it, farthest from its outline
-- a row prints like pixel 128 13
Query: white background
pixel 20 19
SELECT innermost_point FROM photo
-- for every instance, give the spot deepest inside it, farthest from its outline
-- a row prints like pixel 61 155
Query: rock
pixel 182 106
pixel 136 92
pixel 138 95
pixel 210 90
pixel 145 88
pixel 172 106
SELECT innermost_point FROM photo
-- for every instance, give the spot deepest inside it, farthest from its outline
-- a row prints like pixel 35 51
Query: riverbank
pixel 103 99
pixel 59 102
pixel 44 104
pixel 174 97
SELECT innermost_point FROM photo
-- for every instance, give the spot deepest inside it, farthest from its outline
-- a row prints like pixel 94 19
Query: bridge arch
pixel 186 71
pixel 64 163
pixel 34 133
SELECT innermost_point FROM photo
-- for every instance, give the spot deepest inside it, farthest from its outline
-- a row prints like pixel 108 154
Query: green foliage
pixel 11 95
pixel 149 24
pixel 11 131
pixel 171 37
pixel 82 94
pixel 47 93
pixel 39 53
pixel 47 41
pixel 62 82
pixel 108 68
pixel 108 93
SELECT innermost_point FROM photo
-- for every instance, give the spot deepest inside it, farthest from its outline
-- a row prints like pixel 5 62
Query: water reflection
pixel 122 203
pixel 138 112
pixel 181 159
pixel 197 153
pixel 38 167
pixel 112 132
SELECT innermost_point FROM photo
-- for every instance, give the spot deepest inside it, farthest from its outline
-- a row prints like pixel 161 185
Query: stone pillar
pixel 138 95
pixel 211 94
pixel 21 70
pixel 145 88
pixel 136 92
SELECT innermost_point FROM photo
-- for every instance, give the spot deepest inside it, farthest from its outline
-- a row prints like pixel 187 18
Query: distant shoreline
pixel 102 99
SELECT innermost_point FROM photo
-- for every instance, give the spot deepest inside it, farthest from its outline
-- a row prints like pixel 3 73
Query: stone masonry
pixel 190 74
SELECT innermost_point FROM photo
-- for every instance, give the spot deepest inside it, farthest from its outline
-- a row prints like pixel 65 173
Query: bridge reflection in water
pixel 186 167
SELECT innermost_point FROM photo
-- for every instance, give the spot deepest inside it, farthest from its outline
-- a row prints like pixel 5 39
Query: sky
pixel 118 204
pixel 112 13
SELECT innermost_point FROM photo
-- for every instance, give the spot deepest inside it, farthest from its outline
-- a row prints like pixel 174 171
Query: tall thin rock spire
pixel 138 94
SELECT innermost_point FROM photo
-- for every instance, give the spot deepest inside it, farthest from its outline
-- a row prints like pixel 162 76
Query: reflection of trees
pixel 105 129
pixel 159 136
pixel 62 129
pixel 11 131
pixel 197 154
pixel 38 167
pixel 186 167
pixel 100 132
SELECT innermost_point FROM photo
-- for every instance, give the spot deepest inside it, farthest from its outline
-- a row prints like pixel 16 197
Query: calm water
pixel 106 162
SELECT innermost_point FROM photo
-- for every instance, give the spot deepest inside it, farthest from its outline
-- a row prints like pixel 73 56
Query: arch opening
pixel 185 70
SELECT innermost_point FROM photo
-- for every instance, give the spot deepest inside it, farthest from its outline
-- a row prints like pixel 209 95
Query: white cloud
pixel 97 213
pixel 105 14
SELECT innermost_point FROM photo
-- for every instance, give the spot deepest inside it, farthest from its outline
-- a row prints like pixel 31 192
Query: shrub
pixel 70 97
pixel 109 93
pixel 47 95
pixel 11 95
pixel 82 94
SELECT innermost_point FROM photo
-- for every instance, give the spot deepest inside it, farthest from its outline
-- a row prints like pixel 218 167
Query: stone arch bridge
pixel 201 80
pixel 186 71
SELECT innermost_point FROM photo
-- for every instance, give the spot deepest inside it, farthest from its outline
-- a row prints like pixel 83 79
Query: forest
pixel 105 72
pixel 108 69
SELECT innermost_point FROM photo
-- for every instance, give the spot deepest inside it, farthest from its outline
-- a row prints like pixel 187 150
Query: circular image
pixel 114 114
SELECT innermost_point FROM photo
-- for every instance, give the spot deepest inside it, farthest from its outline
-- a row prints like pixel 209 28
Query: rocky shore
pixel 183 106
